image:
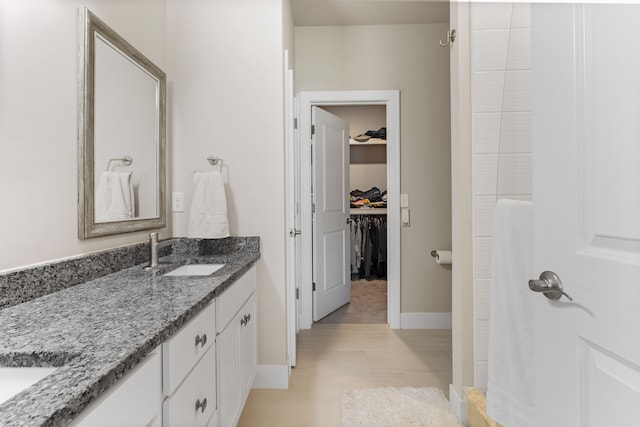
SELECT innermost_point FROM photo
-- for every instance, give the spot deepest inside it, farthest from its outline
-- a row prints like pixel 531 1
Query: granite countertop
pixel 97 331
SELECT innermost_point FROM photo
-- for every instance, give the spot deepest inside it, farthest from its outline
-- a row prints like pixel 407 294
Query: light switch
pixel 177 202
pixel 405 217
pixel 404 200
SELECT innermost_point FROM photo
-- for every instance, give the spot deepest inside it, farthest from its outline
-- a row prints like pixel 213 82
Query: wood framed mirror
pixel 122 135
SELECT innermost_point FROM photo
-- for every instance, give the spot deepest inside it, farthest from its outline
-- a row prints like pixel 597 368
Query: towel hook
pixel 214 161
pixel 451 37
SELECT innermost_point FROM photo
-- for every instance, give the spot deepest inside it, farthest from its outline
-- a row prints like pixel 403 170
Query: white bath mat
pixel 397 407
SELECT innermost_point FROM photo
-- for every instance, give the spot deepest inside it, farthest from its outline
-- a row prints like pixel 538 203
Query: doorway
pixel 390 100
pixel 365 201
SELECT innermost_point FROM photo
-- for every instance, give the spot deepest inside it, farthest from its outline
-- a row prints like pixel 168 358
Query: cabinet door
pixel 228 372
pixel 248 344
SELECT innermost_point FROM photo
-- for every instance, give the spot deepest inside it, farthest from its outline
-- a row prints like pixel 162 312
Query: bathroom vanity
pixel 138 346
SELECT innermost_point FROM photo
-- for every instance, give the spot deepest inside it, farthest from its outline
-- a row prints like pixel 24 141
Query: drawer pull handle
pixel 201 340
pixel 201 405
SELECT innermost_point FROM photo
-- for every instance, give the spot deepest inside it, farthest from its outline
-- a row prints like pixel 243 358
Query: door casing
pixel 391 99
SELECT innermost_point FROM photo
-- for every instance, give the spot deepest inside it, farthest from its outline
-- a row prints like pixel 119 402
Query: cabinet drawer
pixel 194 402
pixel 181 352
pixel 230 301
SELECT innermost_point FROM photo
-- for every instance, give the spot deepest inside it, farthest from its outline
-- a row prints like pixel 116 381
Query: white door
pixel 294 252
pixel 331 237
pixel 586 166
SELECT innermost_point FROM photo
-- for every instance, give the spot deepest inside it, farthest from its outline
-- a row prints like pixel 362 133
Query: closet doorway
pixel 366 231
pixel 388 103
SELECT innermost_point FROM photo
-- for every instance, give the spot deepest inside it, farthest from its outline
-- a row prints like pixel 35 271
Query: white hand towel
pixel 114 197
pixel 511 364
pixel 208 217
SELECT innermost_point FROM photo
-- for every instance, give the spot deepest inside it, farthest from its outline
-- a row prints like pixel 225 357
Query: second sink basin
pixel 14 380
pixel 195 270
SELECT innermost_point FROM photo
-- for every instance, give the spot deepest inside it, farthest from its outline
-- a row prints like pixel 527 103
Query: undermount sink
pixel 195 270
pixel 14 380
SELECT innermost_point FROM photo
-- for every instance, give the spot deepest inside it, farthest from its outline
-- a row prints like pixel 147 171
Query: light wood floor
pixel 337 357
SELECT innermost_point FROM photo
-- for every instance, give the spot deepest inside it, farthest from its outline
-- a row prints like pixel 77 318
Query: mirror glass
pixel 122 135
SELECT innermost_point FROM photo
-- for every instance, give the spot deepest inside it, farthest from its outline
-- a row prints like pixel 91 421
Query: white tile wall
pixel 501 140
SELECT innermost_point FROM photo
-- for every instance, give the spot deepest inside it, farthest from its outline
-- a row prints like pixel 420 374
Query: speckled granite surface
pixel 95 332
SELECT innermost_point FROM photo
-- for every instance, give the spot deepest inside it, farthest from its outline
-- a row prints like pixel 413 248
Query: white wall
pixel 38 121
pixel 226 85
pixel 408 58
pixel 501 139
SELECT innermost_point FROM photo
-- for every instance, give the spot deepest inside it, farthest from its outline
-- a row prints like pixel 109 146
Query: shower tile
pixel 491 15
pixel 481 347
pixel 514 174
pixel 481 303
pixel 519 53
pixel 487 90
pixel 515 133
pixel 482 249
pixel 485 131
pixel 521 15
pixel 489 49
pixel 517 91
pixel 485 173
pixel 484 208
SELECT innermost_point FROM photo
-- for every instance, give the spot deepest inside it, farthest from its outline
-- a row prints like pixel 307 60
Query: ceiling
pixel 368 12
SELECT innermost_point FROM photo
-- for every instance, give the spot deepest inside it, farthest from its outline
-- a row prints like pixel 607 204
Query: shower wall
pixel 501 139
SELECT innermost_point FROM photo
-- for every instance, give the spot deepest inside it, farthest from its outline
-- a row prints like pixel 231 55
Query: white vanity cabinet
pixel 236 347
pixel 136 400
pixel 189 373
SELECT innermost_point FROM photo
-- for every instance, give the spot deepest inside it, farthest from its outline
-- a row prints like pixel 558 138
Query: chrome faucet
pixel 154 245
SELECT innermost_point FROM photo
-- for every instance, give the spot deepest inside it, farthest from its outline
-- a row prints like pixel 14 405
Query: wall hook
pixel 451 37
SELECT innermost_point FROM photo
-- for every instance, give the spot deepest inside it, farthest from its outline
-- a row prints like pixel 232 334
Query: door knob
pixel 550 285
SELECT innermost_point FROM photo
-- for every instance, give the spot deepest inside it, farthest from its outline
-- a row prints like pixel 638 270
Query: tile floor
pixel 337 357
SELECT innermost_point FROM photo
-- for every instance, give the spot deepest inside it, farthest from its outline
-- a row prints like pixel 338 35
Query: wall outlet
pixel 177 204
pixel 404 200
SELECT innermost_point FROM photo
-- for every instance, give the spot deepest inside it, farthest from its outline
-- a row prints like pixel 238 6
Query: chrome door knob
pixel 550 285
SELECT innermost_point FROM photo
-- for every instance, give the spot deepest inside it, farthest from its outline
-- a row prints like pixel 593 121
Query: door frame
pixel 391 99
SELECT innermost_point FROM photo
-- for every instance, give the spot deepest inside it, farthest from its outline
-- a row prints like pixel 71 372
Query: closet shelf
pixel 372 141
pixel 368 211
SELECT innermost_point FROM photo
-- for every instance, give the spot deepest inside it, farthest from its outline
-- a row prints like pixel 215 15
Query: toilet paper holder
pixel 433 253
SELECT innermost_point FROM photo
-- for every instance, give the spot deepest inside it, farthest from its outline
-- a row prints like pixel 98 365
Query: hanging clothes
pixel 369 246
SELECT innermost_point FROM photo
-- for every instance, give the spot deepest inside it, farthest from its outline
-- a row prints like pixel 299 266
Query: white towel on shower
pixel 114 197
pixel 208 216
pixel 510 387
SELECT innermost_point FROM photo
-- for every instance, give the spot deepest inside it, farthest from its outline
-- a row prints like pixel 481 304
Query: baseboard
pixel 458 404
pixel 425 320
pixel 272 376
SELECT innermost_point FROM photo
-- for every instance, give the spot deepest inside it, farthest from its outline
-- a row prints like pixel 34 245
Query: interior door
pixel 586 166
pixel 331 237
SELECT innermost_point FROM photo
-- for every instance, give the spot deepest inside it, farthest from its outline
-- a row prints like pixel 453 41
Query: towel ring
pixel 126 161
pixel 214 161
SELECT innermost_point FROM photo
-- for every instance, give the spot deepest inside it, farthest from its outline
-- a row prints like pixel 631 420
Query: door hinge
pixel 297 293
pixel 313 208
pixel 314 286
pixel 313 130
pixel 295 123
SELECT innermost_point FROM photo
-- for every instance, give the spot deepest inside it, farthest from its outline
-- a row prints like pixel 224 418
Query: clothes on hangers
pixel 369 246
